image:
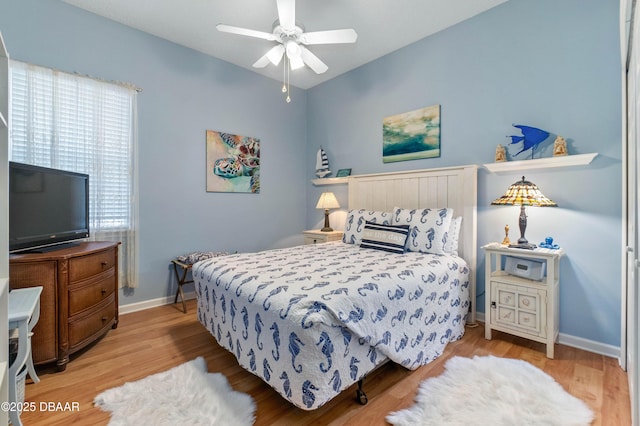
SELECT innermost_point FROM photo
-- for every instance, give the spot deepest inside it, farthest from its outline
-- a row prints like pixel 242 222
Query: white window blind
pixel 80 124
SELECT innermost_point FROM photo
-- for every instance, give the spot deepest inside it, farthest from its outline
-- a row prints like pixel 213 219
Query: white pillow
pixel 428 228
pixel 451 246
pixel 357 219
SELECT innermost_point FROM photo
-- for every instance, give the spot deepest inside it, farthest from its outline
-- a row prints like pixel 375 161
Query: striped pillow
pixel 385 237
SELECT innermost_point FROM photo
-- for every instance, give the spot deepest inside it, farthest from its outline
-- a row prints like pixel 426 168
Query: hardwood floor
pixel 157 339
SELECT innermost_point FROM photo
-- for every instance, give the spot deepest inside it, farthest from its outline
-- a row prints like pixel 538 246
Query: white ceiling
pixel 382 26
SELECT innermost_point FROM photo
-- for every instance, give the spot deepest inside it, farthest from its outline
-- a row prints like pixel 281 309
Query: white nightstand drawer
pixel 506 297
pixel 528 301
pixel 529 320
pixel 315 237
pixel 506 315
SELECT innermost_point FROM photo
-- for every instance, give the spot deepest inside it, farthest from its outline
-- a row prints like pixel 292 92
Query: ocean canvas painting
pixel 412 135
pixel 233 163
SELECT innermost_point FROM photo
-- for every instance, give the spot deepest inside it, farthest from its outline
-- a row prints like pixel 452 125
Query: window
pixel 77 123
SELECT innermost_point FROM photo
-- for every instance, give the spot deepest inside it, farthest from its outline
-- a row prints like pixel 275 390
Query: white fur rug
pixel 492 391
pixel 184 395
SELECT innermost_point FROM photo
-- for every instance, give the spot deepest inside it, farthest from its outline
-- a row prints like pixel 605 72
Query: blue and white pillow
pixel 453 236
pixel 197 256
pixel 385 237
pixel 356 221
pixel 428 228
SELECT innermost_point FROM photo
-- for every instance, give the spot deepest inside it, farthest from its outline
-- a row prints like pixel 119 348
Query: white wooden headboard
pixel 453 187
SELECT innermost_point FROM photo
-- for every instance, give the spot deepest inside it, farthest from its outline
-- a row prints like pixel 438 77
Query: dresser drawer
pixel 83 327
pixel 87 293
pixel 92 264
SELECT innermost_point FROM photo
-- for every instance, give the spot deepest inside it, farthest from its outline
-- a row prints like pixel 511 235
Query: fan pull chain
pixel 284 75
pixel 288 70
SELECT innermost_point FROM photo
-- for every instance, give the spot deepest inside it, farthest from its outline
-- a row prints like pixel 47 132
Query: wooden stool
pixel 181 270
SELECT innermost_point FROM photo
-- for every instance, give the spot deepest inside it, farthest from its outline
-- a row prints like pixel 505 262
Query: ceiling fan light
pixel 296 62
pixel 293 49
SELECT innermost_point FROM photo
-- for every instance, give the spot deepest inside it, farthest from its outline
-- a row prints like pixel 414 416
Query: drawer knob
pixel 103 291
pixel 104 264
pixel 104 319
pixel 525 302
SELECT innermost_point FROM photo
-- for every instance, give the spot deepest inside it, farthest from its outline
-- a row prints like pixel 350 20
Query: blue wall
pixel 185 93
pixel 549 64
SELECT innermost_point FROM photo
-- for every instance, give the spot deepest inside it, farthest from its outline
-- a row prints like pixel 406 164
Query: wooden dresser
pixel 79 301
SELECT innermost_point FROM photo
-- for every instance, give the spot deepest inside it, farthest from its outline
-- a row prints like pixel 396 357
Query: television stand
pixel 79 300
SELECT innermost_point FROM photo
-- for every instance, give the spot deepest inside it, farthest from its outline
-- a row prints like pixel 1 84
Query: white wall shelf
pixel 542 163
pixel 330 181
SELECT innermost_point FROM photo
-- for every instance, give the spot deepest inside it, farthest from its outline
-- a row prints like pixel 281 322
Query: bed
pixel 314 319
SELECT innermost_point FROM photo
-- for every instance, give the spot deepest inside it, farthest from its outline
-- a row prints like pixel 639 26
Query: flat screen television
pixel 47 207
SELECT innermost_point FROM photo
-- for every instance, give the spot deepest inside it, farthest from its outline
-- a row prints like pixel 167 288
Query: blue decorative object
pixel 531 136
pixel 548 244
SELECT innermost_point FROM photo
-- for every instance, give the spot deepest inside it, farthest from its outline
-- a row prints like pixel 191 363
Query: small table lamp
pixel 523 193
pixel 327 201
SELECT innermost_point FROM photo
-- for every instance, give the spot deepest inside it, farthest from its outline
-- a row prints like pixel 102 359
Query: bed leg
pixel 361 397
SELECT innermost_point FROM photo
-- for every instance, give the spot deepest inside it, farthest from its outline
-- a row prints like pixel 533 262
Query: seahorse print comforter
pixel 312 320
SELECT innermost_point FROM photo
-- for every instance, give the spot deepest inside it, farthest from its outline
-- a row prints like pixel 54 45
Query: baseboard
pixel 148 304
pixel 590 345
pixel 580 343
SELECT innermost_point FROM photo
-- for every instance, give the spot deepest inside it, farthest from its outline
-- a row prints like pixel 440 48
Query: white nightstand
pixel 521 306
pixel 317 236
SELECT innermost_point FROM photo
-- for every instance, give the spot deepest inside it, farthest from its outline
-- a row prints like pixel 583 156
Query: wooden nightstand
pixel 520 306
pixel 317 236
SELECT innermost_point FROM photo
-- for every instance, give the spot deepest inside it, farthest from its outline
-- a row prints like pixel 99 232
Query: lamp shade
pixel 523 193
pixel 327 201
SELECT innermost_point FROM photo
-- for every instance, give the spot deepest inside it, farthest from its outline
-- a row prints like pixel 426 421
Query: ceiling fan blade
pixel 287 13
pixel 313 61
pixel 329 37
pixel 262 62
pixel 273 56
pixel 244 31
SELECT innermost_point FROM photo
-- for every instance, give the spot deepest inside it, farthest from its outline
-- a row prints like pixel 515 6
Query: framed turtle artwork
pixel 233 163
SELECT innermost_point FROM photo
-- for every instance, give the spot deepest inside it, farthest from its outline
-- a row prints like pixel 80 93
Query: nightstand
pixel 520 306
pixel 317 236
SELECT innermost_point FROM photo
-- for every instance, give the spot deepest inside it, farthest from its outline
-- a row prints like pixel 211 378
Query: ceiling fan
pixel 292 39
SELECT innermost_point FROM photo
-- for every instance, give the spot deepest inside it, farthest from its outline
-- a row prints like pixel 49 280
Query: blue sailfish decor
pixel 531 136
